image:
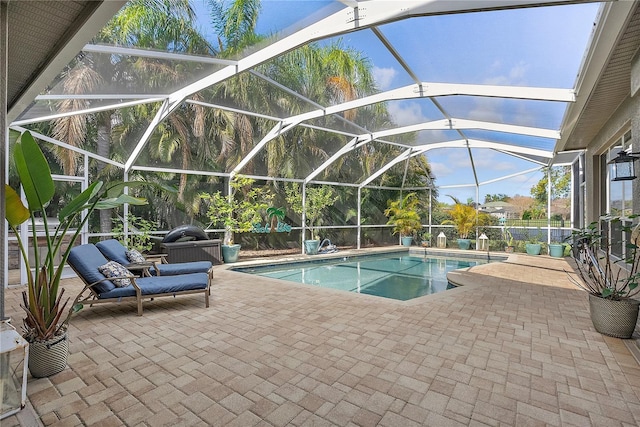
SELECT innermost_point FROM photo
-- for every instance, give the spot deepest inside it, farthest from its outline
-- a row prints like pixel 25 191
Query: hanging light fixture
pixel 622 167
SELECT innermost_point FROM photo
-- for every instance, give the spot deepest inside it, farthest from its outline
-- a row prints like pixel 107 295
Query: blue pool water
pixel 397 276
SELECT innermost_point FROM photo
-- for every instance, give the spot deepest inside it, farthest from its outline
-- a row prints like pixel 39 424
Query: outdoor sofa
pixel 86 260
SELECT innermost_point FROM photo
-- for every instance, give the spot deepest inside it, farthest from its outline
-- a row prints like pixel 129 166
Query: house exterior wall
pixel 628 113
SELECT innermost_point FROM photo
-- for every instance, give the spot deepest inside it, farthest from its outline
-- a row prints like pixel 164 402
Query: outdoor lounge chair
pixel 85 260
pixel 115 251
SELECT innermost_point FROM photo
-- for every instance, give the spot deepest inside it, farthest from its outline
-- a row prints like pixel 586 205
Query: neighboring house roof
pixel 497 205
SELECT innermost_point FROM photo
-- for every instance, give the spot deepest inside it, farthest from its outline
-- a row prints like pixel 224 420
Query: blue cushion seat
pixel 115 251
pixel 182 268
pixel 161 285
pixel 86 259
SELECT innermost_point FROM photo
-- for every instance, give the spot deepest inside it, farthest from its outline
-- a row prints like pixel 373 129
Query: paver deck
pixel 514 346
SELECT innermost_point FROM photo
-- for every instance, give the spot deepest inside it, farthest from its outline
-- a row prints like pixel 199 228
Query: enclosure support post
pixel 430 204
pixel 358 240
pixel 84 237
pixel 125 211
pixel 477 210
pixel 303 232
pixel 548 205
pixel 4 137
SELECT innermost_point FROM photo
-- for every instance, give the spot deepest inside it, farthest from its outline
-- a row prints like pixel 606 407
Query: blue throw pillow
pixel 114 269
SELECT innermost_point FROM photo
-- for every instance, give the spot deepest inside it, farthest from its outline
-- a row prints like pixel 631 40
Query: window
pixel 619 195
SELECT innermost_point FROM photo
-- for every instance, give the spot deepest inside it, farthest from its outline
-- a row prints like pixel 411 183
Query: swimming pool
pixel 397 276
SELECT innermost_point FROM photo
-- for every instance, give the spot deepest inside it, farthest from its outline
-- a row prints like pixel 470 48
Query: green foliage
pixel 463 217
pixel 560 184
pixel 533 238
pixel 43 300
pixel 403 216
pixel 316 200
pixel 509 237
pixel 139 232
pixel 238 211
pixel 488 198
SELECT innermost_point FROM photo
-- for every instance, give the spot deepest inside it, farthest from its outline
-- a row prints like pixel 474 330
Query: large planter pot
pixel 556 250
pixel 533 248
pixel 406 240
pixel 311 247
pixel 47 358
pixel 230 253
pixel 464 243
pixel 614 318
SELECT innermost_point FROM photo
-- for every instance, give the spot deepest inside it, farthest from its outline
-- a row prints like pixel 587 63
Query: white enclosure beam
pixel 365 15
pixel 455 123
pixel 68 147
pixel 165 109
pixel 118 96
pixel 86 111
pixel 404 156
pixel 146 53
pixel 351 145
pixel 429 90
pixel 491 181
pixel 276 131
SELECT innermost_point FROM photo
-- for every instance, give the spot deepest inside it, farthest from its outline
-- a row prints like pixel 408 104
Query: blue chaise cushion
pixel 114 250
pixel 162 285
pixel 85 260
pixel 182 268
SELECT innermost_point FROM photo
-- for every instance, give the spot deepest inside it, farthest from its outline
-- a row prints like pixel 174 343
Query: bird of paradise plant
pixel 43 300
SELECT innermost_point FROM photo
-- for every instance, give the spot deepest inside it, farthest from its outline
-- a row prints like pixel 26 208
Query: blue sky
pixel 528 47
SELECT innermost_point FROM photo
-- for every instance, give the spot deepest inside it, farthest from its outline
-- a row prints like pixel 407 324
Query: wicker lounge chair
pixel 115 251
pixel 86 261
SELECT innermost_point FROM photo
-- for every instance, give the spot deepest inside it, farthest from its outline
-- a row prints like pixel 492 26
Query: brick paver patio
pixel 514 346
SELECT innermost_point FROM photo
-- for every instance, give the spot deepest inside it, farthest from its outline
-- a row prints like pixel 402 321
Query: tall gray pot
pixel 614 318
pixel 47 358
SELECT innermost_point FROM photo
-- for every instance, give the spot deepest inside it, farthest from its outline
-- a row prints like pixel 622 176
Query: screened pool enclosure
pixel 372 99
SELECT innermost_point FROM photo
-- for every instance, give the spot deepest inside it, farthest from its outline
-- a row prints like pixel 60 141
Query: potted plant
pixel 404 218
pixel 533 245
pixel 316 200
pixel 510 242
pixel 426 239
pixel 556 249
pixel 463 217
pixel 237 212
pixel 611 283
pixel 47 310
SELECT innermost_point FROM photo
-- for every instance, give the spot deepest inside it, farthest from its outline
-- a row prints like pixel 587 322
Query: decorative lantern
pixel 14 359
pixel 483 243
pixel 441 240
pixel 622 167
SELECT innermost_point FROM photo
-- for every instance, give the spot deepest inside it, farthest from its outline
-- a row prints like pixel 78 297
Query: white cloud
pixel 515 76
pixel 384 77
pixel 440 170
pixel 406 113
pixel 487 110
